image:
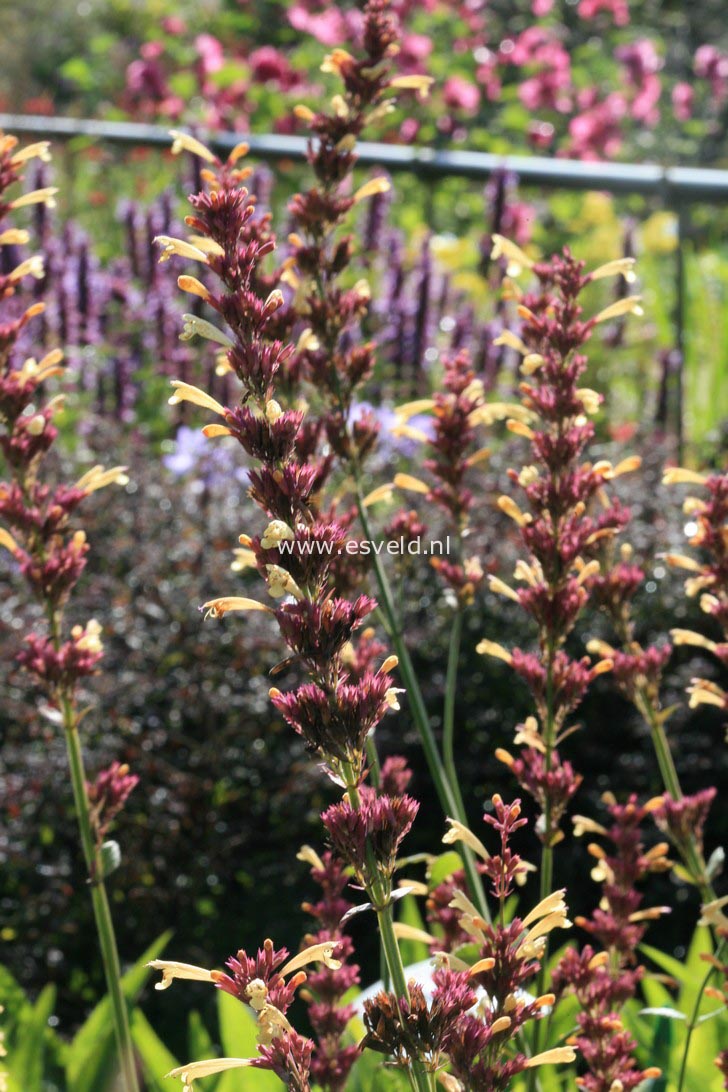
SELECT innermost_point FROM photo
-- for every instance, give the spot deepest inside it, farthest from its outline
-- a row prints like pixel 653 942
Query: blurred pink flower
pixel 549 87
pixel 618 9
pixel 329 27
pixel 415 50
pixel 540 135
pixel 269 65
pixel 211 56
pixel 460 94
pixel 712 65
pixel 640 58
pixel 174 24
pixel 682 101
pixel 596 132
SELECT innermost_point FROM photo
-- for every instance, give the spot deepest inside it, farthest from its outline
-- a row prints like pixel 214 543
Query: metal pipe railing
pixel 675 185
pixel 677 188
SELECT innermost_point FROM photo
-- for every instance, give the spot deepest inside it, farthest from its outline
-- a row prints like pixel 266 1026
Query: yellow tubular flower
pixel 420 84
pixel 197 327
pixel 194 1071
pixel 97 478
pixel 316 953
pixel 171 970
pixel 628 305
pixel 552 1057
pixel 517 260
pixel 679 475
pixel 43 196
pixel 623 267
pixel 184 142
pixel 491 648
pixel 370 188
pixel 513 342
pixel 170 247
pixel 216 608
pixel 458 832
pixel 185 392
pixel 408 482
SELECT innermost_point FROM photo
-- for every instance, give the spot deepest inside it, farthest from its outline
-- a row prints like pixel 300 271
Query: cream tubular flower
pixel 40 150
pixel 31 267
pixel 628 305
pixel 513 342
pixel 216 608
pixel 197 327
pixel 171 246
pixel 680 475
pixel 44 196
pixel 276 532
pixel 316 953
pixel 517 260
pixel 97 478
pixel 281 583
pixel 185 392
pixel 194 1071
pixel 420 84
pixel 620 267
pixel 551 1057
pixel 171 970
pixel 184 142
pixel 688 637
pixel 458 832
pixel 492 648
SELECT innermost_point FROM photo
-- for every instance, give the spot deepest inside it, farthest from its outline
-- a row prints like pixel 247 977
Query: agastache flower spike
pixel 299 544
pixel 39 531
pixel 708 578
pixel 263 984
pixel 605 980
pixel 482 1044
pixel 556 517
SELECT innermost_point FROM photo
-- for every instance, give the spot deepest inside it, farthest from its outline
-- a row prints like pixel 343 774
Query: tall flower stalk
pixel 329 353
pixel 559 525
pixel 563 518
pixel 604 978
pixel 49 552
pixel 476 1017
pixel 638 675
pixel 298 548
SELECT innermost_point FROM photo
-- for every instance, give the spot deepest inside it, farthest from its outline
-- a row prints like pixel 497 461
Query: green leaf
pixel 412 951
pixel 12 998
pixel 92 1054
pixel 156 1059
pixel 665 1012
pixel 25 1062
pixel 442 867
pixel 371 1074
pixel 199 1040
pixel 238 1034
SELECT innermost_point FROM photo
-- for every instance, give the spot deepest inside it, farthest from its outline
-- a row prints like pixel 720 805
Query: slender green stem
pixel 691 849
pixel 694 1018
pixel 100 902
pixel 447 791
pixel 380 895
pixel 546 878
pixel 448 720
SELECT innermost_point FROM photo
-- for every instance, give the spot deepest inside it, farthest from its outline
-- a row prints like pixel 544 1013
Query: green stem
pixel 100 902
pixel 380 895
pixel 546 878
pixel 448 720
pixel 691 850
pixel 694 1018
pixel 447 791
